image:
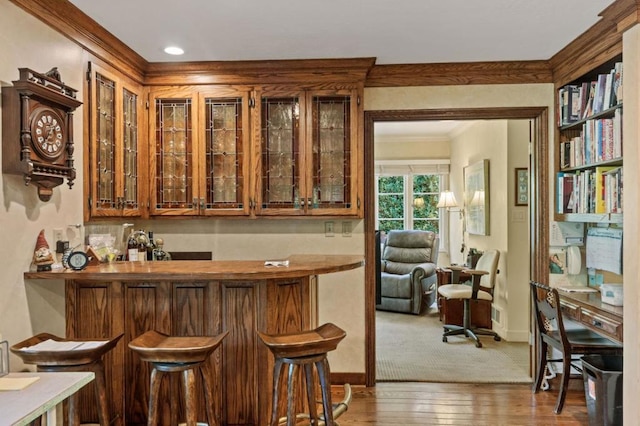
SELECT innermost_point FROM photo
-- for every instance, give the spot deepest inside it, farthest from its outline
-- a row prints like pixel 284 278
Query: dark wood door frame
pixel 538 204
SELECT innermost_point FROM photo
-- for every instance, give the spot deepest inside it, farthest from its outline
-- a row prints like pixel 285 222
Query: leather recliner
pixel 408 270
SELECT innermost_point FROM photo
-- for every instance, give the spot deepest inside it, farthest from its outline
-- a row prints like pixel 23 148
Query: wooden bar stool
pixel 178 354
pixel 306 348
pixel 54 353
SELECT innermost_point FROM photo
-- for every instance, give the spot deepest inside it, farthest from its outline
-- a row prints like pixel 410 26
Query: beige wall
pixel 25 309
pixel 411 148
pixel 505 144
pixel 631 254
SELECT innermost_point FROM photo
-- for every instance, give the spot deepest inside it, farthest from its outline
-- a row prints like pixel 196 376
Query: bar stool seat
pixel 178 354
pixel 307 349
pixel 87 358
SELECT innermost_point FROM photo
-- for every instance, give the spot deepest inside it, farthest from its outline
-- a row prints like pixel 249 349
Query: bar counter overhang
pixel 188 298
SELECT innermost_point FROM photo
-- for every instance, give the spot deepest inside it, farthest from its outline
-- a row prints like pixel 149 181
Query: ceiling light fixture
pixel 173 50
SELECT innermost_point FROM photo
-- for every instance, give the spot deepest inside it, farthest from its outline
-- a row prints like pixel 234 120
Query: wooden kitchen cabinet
pixel 116 162
pixel 308 157
pixel 245 144
pixel 199 151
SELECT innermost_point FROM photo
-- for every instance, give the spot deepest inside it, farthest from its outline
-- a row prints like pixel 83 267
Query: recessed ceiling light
pixel 173 50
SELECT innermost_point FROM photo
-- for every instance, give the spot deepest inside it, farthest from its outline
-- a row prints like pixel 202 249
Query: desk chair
pixel 566 336
pixel 483 282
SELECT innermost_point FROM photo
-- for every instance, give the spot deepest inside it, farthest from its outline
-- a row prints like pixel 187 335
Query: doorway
pixel 537 208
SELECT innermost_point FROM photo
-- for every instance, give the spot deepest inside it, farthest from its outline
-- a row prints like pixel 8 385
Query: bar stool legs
pixel 307 349
pixel 184 355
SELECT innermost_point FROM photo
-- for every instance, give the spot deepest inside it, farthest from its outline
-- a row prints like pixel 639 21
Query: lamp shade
pixel 447 200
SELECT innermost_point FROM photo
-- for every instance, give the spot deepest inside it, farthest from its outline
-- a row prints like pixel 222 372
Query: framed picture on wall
pixel 476 197
pixel 522 186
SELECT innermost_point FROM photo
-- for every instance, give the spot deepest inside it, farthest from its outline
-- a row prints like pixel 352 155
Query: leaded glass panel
pixel 174 153
pixel 224 153
pixel 280 152
pixel 105 125
pixel 130 147
pixel 331 151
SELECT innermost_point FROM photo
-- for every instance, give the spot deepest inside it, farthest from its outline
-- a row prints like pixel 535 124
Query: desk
pixel 452 311
pixel 20 407
pixel 588 309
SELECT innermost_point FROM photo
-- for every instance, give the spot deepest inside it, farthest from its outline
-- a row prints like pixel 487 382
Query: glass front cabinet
pixel 199 159
pixel 308 158
pixel 116 163
pixel 223 150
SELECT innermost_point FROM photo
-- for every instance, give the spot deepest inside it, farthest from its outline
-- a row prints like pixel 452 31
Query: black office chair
pixel 568 337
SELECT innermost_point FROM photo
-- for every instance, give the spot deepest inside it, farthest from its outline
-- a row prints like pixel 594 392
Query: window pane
pixel 426 183
pixel 391 184
pixel 388 225
pixel 391 202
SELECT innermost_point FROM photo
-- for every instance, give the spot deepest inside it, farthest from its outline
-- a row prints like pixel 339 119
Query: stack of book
pixel 598 140
pixel 580 101
pixel 597 190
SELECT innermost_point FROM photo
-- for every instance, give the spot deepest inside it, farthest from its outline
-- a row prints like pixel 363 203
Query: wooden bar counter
pixel 186 298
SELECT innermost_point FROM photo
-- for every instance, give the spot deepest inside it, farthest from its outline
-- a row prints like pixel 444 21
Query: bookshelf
pixel 589 166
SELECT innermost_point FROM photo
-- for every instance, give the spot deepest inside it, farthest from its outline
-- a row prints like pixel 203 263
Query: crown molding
pixel 64 17
pixel 460 73
pixel 599 44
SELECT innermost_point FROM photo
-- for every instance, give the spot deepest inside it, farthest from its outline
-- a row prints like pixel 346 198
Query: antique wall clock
pixel 37 130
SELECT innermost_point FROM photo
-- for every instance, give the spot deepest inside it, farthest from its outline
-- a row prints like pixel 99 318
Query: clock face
pixel 78 260
pixel 48 133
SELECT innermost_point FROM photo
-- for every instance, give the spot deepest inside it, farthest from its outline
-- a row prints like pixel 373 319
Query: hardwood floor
pixel 460 404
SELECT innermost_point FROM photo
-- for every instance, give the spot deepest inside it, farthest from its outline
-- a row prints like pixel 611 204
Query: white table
pixel 20 407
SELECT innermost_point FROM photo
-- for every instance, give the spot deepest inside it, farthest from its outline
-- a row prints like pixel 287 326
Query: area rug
pixel 410 348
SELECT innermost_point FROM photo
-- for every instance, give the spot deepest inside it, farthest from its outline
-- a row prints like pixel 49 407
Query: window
pixel 408 201
pixel 407 196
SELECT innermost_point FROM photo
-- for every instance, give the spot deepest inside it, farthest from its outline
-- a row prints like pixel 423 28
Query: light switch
pixel 329 229
pixel 346 229
pixel 519 215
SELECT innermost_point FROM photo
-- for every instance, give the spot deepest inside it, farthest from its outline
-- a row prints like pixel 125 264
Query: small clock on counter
pixel 77 260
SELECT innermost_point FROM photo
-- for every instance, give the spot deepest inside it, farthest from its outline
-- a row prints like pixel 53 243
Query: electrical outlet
pixel 329 229
pixel 58 234
pixel 346 229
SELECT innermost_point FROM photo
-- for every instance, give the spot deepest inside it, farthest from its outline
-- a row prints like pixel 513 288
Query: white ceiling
pixel 392 31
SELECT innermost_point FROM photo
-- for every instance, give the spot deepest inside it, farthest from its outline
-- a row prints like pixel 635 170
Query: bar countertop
pixel 299 266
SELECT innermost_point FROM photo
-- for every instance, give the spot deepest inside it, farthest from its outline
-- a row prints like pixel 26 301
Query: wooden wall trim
pixel 600 43
pixel 70 21
pixel 538 210
pixel 259 72
pixel 463 73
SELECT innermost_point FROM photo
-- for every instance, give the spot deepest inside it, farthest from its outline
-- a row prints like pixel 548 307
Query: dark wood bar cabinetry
pixel 191 298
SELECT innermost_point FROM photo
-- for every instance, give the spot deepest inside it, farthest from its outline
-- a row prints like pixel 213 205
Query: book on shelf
pixel 617 83
pixel 612 190
pixel 565 193
pixel 582 100
pixel 601 189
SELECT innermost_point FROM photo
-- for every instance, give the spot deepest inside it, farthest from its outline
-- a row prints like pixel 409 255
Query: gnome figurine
pixel 42 256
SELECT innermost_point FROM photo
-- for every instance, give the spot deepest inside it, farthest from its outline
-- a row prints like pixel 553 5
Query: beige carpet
pixel 410 348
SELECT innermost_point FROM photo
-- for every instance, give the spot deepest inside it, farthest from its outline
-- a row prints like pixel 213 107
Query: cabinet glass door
pixel 333 160
pixel 281 154
pixel 115 185
pixel 173 164
pixel 226 136
pixel 130 149
pixel 104 129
